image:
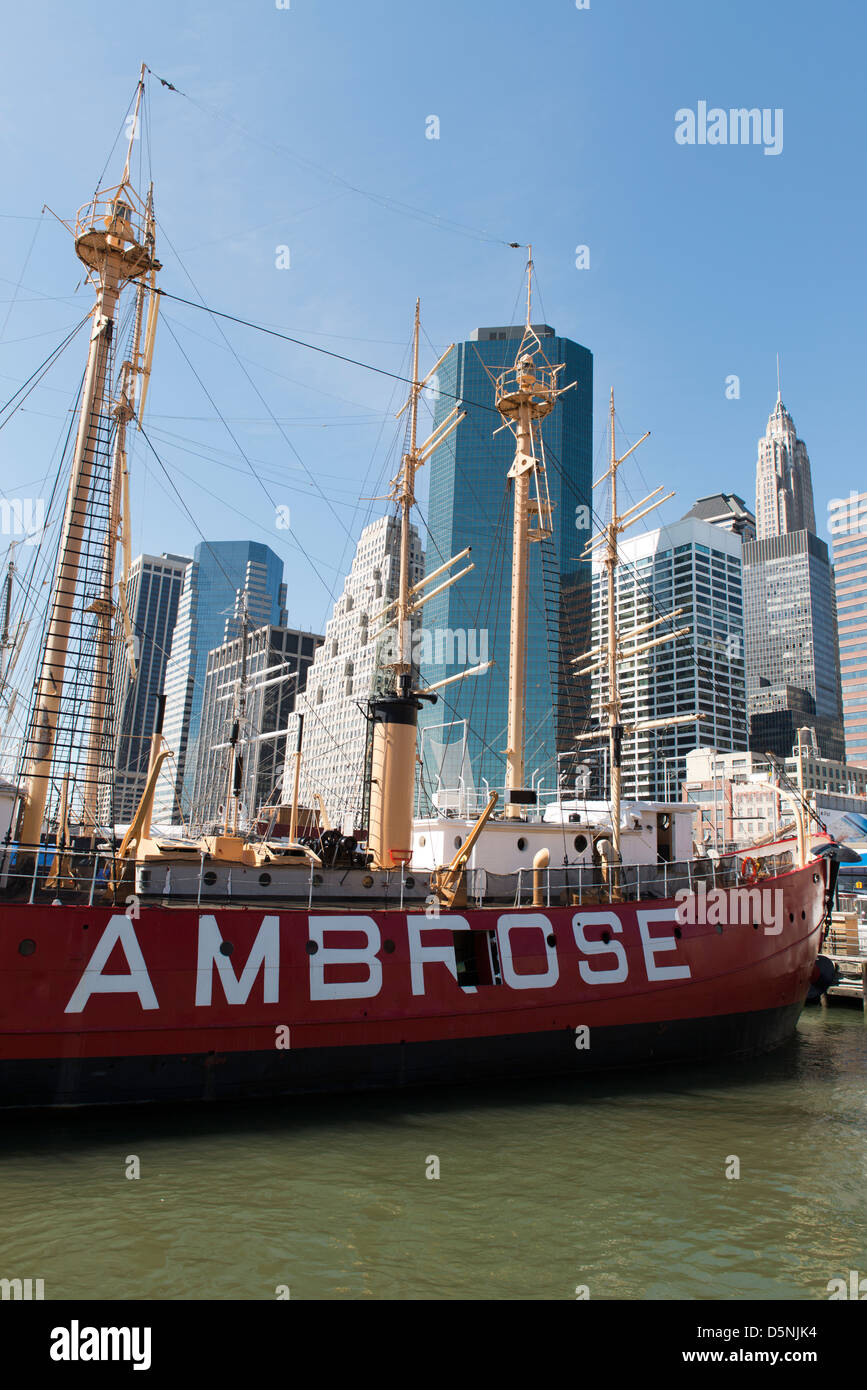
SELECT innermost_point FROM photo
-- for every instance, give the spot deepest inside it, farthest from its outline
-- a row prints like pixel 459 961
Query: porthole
pixel 210 878
pixel 264 879
pixel 388 946
pixel 410 882
pixel 367 881
pixel 580 843
pixel 422 841
pixel 458 841
pixel 312 947
pixel 226 948
pixel 26 947
pixel 317 880
pixel 551 939
pixel 522 843
pixel 606 937
pixel 678 933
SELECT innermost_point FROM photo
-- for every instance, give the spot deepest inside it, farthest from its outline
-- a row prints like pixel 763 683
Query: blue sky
pixel 556 125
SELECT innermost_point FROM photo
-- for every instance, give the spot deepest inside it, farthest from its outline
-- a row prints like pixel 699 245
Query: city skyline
pixel 685 312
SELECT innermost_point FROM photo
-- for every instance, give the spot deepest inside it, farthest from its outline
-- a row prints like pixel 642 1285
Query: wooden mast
pixel 524 395
pixel 111 238
pixel 394 716
pixel 615 648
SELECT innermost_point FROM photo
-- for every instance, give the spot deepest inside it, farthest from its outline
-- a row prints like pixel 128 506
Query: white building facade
pixel 346 670
pixel 695 567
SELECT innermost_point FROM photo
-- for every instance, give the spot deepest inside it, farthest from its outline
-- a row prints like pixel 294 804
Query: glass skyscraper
pixel 463 737
pixel 793 663
pixel 208 616
pixel 848 521
pixel 153 592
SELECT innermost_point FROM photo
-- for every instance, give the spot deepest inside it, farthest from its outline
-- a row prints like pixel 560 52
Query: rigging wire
pixel 381 200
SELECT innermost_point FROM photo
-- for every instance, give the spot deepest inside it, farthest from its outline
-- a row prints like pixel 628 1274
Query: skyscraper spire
pixel 784 487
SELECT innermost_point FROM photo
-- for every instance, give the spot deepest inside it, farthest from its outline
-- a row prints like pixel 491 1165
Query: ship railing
pixel 28 871
pixel 592 884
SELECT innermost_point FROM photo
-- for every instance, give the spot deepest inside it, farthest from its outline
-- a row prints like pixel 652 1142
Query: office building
pixel 736 803
pixel 727 510
pixel 784 488
pixel 277 660
pixel 463 737
pixel 696 567
pixel 792 660
pixel 793 671
pixel 848 524
pixel 152 595
pixel 349 667
pixel 207 616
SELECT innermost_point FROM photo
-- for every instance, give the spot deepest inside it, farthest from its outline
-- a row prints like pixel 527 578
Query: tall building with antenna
pixel 790 606
pixel 463 738
pixel 207 616
pixel 784 486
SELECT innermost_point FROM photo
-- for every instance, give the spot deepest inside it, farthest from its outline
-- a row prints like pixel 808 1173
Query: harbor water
pixel 731 1181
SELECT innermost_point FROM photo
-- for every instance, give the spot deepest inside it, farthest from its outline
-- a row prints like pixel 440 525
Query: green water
pixel 618 1184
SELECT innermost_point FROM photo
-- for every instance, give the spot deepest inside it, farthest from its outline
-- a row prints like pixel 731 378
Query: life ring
pixel 749 869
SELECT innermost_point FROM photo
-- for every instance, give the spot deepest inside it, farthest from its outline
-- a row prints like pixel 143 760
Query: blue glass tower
pixel 463 737
pixel 207 616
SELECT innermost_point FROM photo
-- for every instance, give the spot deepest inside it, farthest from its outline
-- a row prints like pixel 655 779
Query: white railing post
pixel 93 878
pixel 310 888
pixel 35 872
pixel 201 875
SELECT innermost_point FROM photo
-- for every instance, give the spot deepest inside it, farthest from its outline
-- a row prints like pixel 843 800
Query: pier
pixel 846 946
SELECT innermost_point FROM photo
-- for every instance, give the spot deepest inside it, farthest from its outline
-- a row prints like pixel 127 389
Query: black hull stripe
pixel 268 1075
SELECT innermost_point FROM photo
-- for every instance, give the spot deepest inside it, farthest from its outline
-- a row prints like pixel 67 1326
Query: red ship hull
pixel 195 1003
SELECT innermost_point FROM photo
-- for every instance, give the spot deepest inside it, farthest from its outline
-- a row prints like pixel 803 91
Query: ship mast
pixel 525 395
pixel 114 239
pixel 394 715
pixel 614 649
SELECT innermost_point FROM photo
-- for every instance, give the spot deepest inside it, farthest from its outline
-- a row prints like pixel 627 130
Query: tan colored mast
pixel 103 606
pixel 524 396
pixel 111 240
pixel 615 727
pixel 394 716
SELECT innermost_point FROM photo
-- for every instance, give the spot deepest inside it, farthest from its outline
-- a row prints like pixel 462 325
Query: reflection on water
pixel 616 1183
